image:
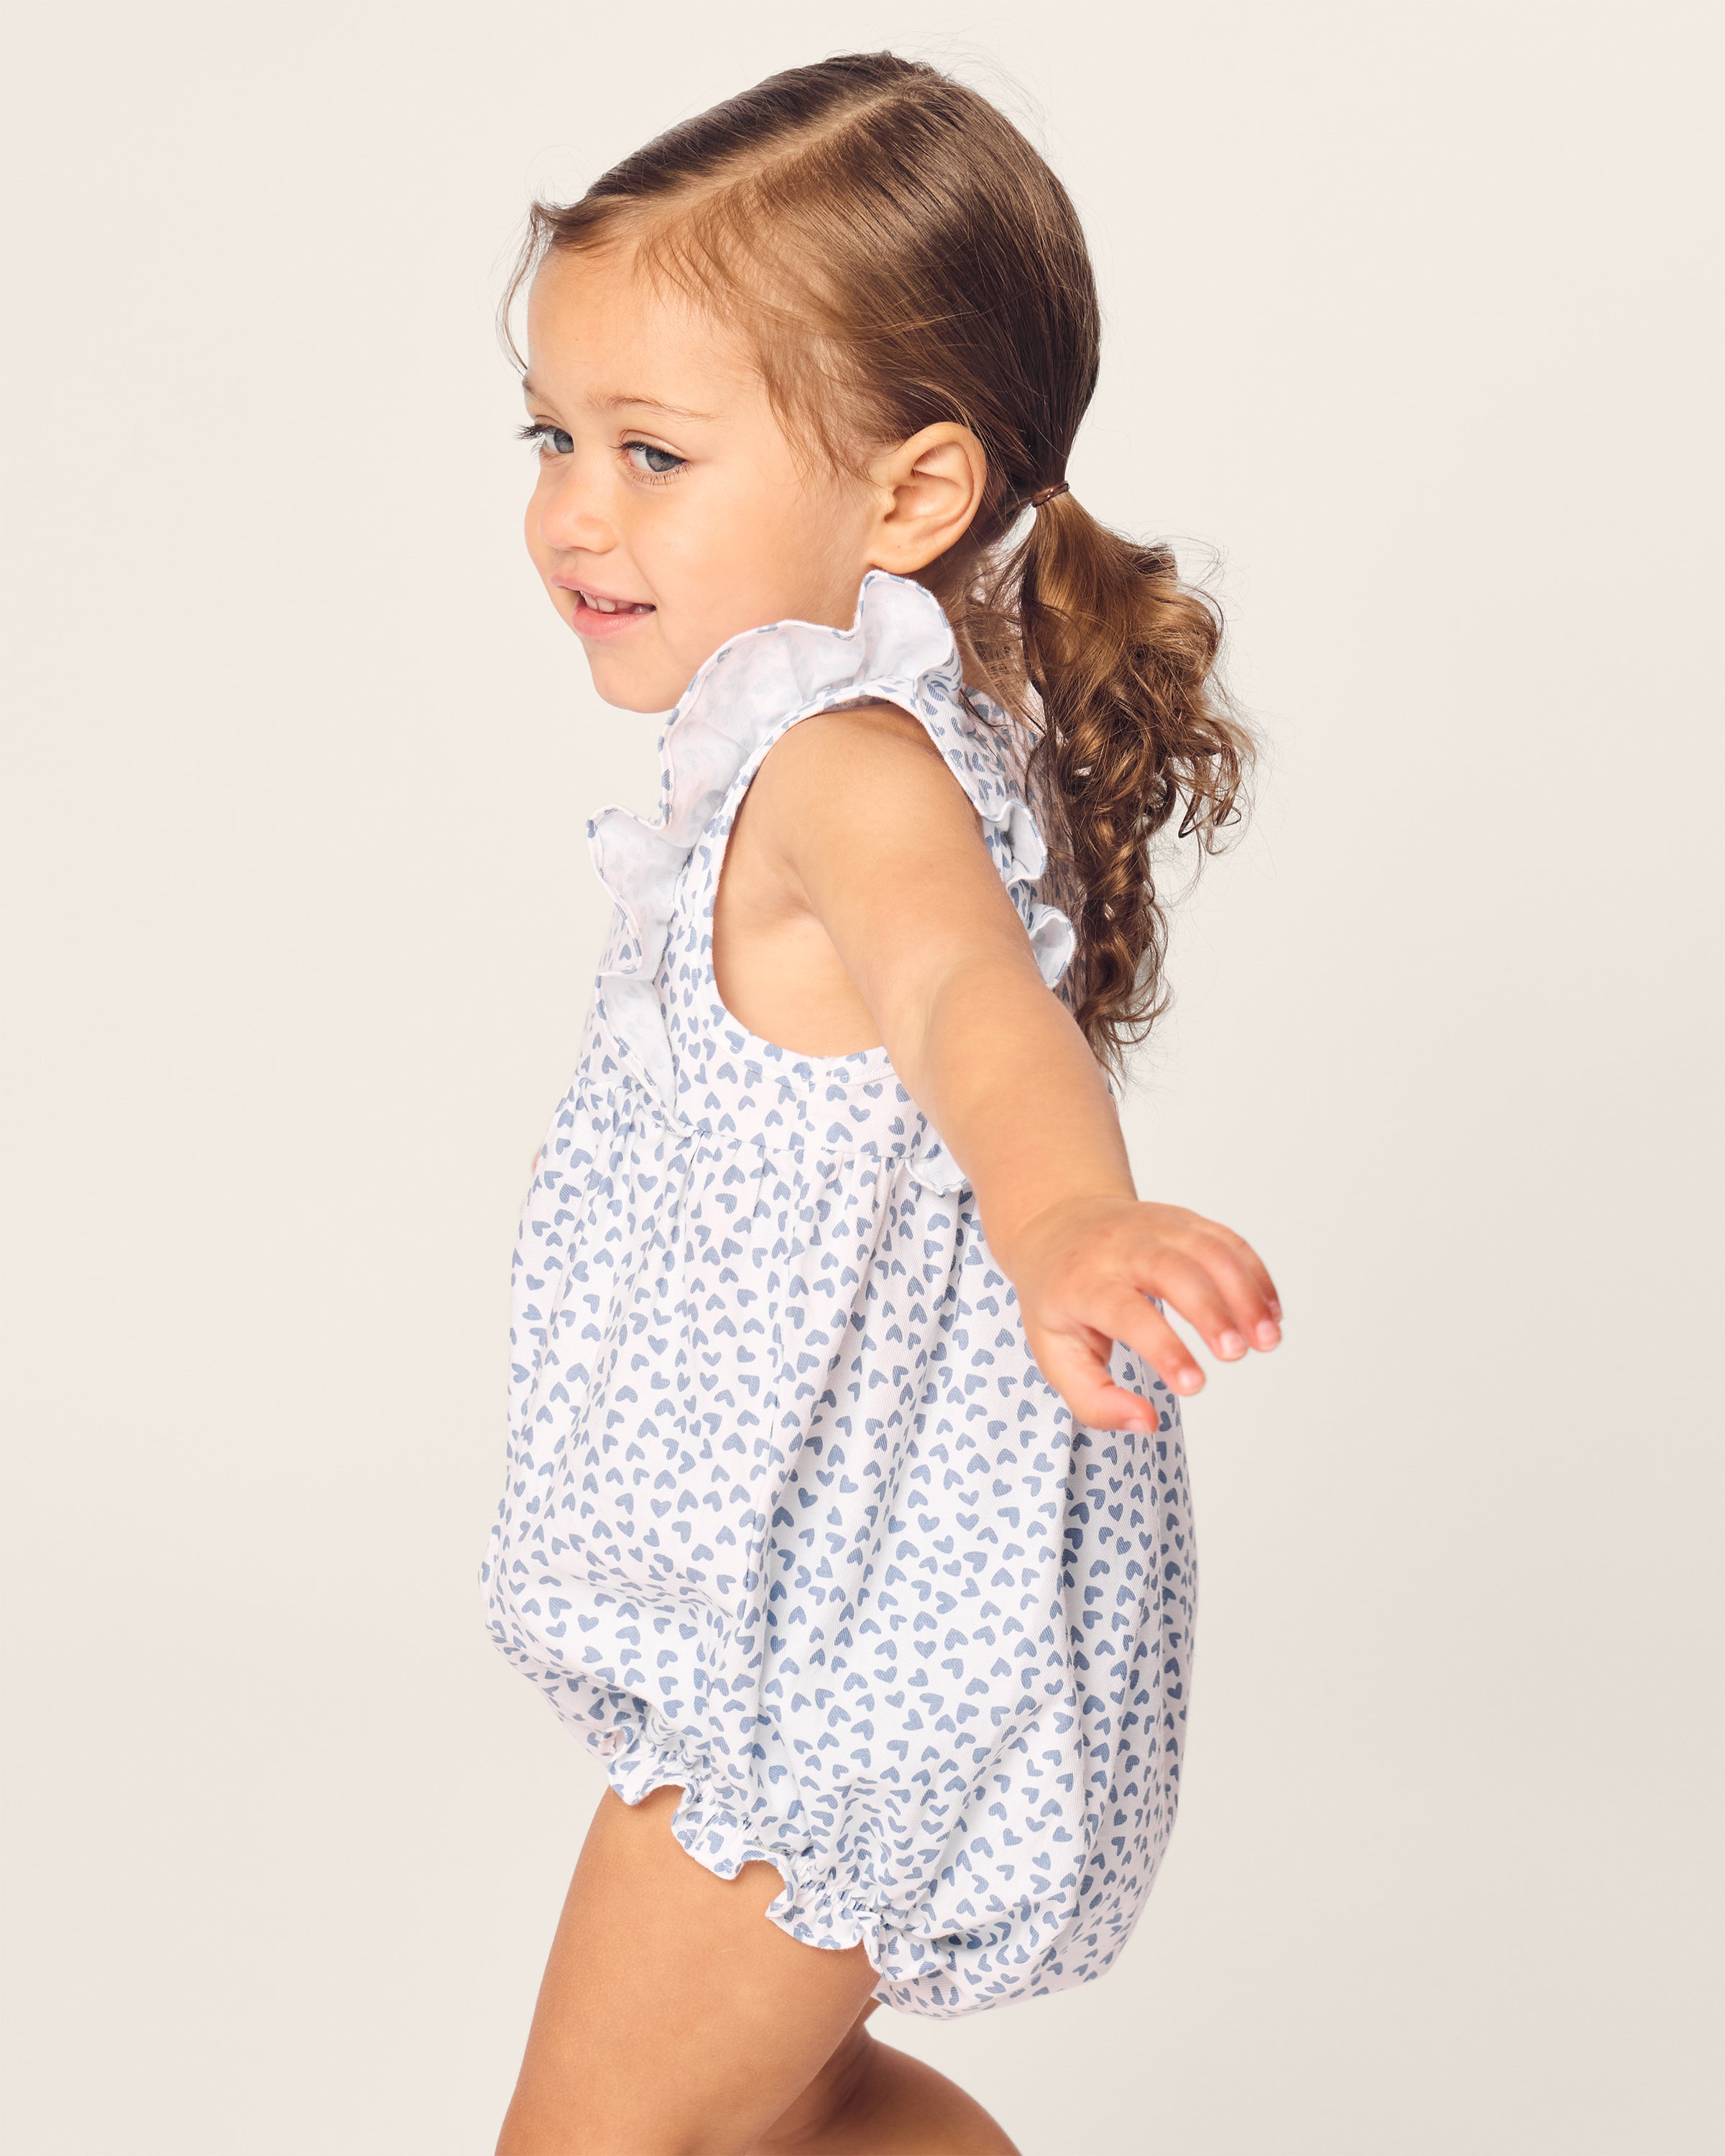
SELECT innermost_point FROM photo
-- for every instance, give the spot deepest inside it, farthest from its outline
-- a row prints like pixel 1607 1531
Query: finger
pixel 1137 1323
pixel 1183 1278
pixel 1077 1367
pixel 1247 1256
pixel 1247 1303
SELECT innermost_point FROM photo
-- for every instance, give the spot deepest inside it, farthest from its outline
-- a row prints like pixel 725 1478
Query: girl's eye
pixel 656 463
pixel 545 436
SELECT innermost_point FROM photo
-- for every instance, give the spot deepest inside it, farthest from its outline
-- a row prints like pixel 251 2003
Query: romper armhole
pixel 714 853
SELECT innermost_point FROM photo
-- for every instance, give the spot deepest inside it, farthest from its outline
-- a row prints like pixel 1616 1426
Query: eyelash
pixel 540 431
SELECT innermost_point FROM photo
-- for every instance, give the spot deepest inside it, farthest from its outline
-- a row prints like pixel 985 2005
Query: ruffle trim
pixel 901 651
pixel 838 1888
pixel 816 1904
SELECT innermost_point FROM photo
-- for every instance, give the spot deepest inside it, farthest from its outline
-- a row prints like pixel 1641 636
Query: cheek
pixel 532 526
pixel 744 556
pixel 690 564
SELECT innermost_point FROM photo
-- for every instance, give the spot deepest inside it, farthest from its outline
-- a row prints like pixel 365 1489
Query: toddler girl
pixel 846 1512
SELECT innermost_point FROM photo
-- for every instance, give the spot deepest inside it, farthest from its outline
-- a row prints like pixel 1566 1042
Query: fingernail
pixel 1190 1380
pixel 1268 1334
pixel 1275 1310
pixel 1231 1343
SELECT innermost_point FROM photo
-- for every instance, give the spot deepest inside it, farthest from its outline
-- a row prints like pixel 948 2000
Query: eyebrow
pixel 648 403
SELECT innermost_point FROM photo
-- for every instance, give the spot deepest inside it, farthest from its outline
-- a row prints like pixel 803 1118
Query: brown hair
pixel 899 255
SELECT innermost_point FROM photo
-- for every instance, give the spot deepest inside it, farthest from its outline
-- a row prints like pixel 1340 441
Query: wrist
pixel 1014 1234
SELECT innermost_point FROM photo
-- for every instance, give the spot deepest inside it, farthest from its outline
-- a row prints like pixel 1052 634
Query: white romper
pixel 792 1518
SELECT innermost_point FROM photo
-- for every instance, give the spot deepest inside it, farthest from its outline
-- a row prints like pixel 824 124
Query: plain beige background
pixel 1409 317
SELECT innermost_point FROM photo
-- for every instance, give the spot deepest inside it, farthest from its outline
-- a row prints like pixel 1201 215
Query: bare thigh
pixel 674 2020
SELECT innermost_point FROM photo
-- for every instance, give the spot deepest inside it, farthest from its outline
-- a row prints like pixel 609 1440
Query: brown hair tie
pixel 1049 493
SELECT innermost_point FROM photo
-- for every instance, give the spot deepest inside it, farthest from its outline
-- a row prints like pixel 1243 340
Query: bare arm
pixel 876 838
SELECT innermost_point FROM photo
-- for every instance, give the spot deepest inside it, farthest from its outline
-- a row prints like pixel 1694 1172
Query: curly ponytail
pixel 1133 729
pixel 900 254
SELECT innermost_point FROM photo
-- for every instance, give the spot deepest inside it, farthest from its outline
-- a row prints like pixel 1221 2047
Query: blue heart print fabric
pixel 791 1520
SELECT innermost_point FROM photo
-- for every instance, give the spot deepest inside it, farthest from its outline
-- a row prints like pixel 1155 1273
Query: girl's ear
pixel 931 488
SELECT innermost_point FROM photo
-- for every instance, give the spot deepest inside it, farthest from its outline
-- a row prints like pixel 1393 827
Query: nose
pixel 565 508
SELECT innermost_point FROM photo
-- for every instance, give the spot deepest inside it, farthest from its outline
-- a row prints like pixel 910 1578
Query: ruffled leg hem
pixel 816 1905
pixel 832 1905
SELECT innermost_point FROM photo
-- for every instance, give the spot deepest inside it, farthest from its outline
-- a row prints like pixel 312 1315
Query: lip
pixel 587 621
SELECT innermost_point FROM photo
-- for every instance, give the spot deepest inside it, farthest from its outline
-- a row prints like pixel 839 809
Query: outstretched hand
pixel 1085 1270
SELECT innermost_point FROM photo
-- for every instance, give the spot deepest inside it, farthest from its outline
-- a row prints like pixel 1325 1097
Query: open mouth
pixel 600 605
pixel 596 615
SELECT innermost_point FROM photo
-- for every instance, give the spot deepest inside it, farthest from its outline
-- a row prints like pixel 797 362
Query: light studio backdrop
pixel 1406 320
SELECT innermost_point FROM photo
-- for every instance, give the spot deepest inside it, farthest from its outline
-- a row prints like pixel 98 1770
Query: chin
pixel 626 690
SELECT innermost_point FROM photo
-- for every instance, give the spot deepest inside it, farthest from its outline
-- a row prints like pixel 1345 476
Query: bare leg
pixel 871 2100
pixel 674 2020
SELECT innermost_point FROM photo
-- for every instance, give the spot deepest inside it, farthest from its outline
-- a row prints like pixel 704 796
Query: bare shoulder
pixel 851 754
pixel 857 816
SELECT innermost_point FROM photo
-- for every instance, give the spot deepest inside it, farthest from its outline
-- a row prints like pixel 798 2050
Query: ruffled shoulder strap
pixel 901 649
